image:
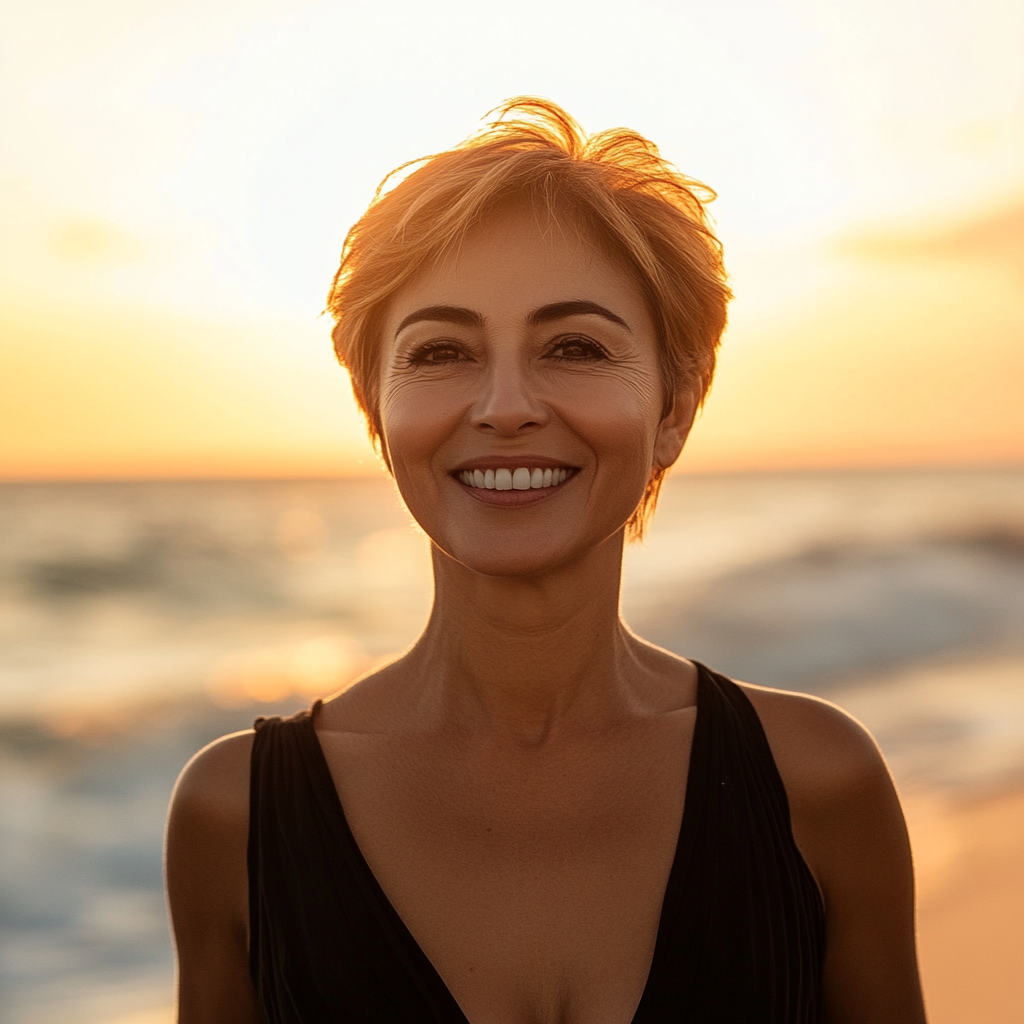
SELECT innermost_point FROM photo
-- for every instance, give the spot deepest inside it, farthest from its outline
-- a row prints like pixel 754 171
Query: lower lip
pixel 513 498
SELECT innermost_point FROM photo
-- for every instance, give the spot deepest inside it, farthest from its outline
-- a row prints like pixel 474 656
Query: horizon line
pixel 993 465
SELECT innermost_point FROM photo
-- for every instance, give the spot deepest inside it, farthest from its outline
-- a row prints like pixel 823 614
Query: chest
pixel 532 880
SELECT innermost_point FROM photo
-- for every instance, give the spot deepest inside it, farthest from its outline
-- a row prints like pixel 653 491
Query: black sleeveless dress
pixel 741 937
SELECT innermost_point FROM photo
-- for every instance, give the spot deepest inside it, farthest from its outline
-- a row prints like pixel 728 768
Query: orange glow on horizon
pixel 898 359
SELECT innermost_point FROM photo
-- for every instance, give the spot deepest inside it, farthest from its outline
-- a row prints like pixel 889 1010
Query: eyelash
pixel 597 352
pixel 421 356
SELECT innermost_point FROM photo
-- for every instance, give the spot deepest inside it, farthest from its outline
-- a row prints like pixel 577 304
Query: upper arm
pixel 207 884
pixel 849 826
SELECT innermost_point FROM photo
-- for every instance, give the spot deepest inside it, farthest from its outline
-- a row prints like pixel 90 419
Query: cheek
pixel 621 418
pixel 416 421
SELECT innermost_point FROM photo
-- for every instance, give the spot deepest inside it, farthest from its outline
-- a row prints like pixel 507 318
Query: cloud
pixel 996 238
pixel 95 242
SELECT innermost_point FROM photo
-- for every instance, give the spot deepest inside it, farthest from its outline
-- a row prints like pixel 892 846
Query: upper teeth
pixel 513 479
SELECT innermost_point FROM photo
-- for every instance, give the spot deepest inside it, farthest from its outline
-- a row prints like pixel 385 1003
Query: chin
pixel 508 559
pixel 520 555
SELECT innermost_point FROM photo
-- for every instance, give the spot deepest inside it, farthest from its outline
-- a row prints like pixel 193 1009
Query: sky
pixel 176 180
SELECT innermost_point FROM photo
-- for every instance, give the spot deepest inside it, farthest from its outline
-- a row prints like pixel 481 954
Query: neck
pixel 528 657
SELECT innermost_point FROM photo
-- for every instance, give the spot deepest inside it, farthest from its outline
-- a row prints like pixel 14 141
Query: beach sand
pixel 971 906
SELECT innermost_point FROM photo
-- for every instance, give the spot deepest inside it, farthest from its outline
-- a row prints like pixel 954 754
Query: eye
pixel 436 353
pixel 577 350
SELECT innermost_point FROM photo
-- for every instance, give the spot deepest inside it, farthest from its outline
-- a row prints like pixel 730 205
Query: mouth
pixel 522 478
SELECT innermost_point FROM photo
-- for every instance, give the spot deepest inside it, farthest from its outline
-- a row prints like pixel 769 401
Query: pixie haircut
pixel 614 186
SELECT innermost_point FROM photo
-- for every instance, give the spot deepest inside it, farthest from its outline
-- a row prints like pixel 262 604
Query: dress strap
pixel 310 712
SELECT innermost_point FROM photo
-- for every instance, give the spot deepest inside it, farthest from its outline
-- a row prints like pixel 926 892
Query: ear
pixel 674 429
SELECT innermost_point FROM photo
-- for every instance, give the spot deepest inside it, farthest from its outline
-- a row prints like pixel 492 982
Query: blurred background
pixel 193 529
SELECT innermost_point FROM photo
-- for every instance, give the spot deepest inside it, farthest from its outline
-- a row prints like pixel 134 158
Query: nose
pixel 508 405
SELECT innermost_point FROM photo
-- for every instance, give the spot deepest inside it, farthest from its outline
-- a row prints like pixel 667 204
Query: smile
pixel 522 479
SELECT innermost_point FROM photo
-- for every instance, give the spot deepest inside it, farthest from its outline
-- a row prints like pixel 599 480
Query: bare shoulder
pixel 837 782
pixel 216 780
pixel 207 883
pixel 822 752
pixel 205 852
pixel 379 702
pixel 847 822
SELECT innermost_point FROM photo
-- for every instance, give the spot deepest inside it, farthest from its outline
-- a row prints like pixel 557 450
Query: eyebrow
pixel 545 314
pixel 577 307
pixel 442 315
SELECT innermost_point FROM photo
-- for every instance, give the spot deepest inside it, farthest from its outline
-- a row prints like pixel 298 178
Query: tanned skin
pixel 516 780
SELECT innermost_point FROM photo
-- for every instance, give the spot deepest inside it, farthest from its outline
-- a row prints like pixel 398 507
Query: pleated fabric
pixel 742 933
pixel 741 936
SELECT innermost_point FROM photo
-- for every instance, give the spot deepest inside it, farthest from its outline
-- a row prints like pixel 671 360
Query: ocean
pixel 138 621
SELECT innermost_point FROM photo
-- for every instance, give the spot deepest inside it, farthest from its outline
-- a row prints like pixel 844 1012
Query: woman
pixel 533 816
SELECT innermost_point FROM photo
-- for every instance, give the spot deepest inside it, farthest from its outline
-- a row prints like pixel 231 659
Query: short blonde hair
pixel 615 185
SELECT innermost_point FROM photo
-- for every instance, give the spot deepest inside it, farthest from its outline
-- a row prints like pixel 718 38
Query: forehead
pixel 518 259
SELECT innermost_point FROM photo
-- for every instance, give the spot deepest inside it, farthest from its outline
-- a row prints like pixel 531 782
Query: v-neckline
pixel 684 840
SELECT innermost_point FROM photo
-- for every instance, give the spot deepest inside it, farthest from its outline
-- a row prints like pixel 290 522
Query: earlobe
pixel 674 429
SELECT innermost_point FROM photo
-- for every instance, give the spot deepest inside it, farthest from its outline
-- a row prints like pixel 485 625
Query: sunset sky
pixel 177 179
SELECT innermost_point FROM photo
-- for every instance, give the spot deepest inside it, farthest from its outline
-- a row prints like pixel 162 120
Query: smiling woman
pixel 546 378
pixel 610 195
pixel 533 816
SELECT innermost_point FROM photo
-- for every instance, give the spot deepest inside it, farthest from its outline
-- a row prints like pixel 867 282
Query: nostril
pixel 502 428
pixel 508 414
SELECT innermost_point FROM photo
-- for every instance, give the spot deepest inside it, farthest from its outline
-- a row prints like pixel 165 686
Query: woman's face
pixel 521 397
